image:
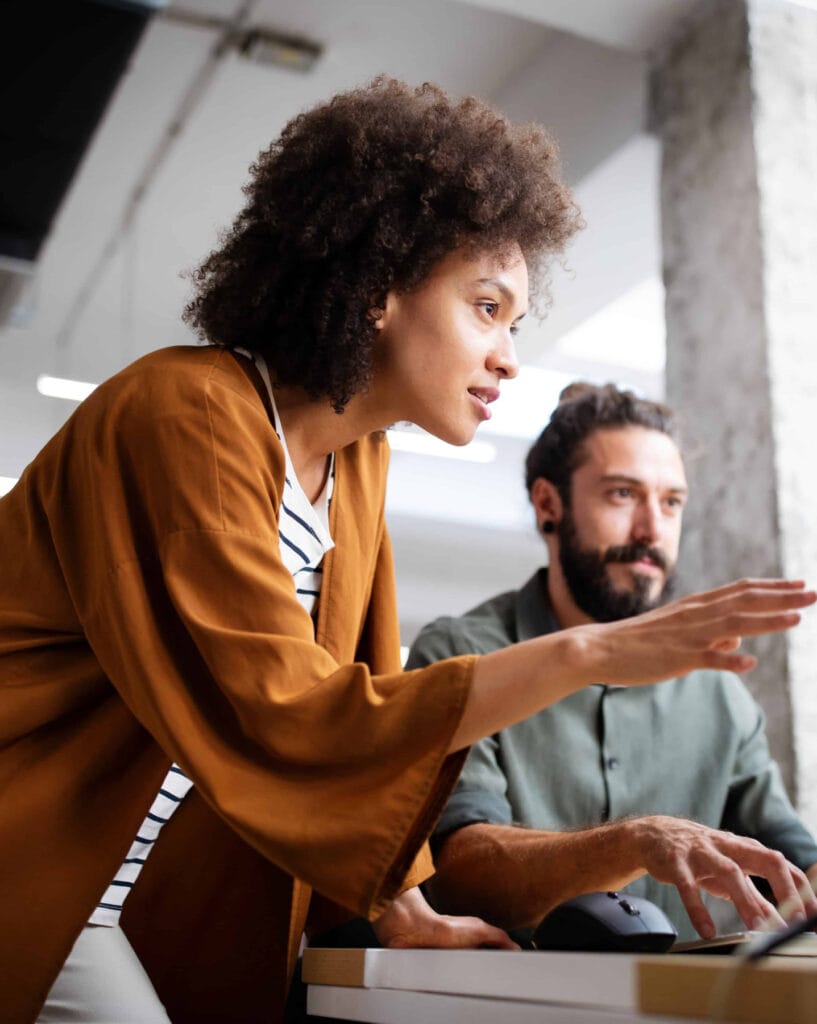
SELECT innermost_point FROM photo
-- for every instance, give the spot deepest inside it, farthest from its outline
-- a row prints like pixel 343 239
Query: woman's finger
pixel 470 933
pixel 741 624
pixel 741 587
pixel 736 663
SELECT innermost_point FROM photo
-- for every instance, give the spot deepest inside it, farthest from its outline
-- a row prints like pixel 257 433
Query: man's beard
pixel 585 572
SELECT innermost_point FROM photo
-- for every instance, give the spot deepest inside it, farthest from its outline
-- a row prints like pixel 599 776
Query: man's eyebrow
pixel 503 289
pixel 636 482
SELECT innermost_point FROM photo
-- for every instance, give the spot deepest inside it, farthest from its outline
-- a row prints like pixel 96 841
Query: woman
pixel 197 602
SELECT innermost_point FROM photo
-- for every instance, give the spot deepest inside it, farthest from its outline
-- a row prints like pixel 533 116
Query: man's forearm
pixel 513 876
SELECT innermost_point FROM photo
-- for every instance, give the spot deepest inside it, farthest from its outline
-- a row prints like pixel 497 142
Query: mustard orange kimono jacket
pixel 146 617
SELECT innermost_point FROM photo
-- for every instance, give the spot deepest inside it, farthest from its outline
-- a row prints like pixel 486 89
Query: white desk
pixel 391 1006
pixel 418 986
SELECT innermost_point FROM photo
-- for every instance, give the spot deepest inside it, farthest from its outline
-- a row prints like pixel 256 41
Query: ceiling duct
pixel 16 281
pixel 59 66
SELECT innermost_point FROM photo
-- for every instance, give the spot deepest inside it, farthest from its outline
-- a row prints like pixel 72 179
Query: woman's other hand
pixel 410 922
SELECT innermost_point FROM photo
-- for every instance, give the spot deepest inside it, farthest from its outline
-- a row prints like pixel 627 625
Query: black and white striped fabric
pixel 303 531
pixel 174 788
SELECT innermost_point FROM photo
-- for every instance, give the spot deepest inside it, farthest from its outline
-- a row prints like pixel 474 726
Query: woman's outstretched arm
pixel 701 631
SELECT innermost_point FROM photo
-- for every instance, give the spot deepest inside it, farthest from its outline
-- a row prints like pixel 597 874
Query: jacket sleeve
pixel 481 792
pixel 333 772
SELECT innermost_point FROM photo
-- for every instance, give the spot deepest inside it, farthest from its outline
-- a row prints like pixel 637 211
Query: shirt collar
pixel 534 616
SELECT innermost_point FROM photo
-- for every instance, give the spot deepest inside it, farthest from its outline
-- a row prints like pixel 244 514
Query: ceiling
pixel 164 171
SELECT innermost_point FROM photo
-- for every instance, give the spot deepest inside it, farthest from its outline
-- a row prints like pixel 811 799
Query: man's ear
pixel 547 503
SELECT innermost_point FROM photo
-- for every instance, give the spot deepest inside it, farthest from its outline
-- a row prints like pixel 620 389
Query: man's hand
pixel 410 922
pixel 693 857
pixel 514 876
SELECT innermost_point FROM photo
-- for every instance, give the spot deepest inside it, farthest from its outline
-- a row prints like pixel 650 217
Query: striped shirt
pixel 303 531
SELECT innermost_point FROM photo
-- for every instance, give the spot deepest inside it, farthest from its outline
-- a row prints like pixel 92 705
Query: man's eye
pixel 622 492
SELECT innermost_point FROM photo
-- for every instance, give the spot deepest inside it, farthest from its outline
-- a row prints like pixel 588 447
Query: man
pixel 611 787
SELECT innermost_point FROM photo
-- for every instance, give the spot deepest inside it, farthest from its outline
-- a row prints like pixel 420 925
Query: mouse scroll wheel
pixel 630 909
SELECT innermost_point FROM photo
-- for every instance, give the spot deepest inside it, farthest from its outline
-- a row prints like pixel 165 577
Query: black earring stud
pixel 547 526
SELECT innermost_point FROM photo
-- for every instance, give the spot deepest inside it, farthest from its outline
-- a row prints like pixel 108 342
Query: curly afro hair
pixel 361 196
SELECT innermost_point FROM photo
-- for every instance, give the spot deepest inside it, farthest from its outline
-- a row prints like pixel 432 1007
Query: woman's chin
pixel 459 439
pixel 458 435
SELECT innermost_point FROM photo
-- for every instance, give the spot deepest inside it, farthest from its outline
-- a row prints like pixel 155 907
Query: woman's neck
pixel 313 430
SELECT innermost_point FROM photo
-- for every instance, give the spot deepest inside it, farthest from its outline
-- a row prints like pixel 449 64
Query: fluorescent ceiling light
pixel 6 484
pixel 425 444
pixel 61 387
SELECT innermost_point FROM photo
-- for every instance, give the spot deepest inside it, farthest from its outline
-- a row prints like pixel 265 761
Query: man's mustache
pixel 634 553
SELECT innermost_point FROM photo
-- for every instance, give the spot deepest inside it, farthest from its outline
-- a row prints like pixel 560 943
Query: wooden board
pixel 779 990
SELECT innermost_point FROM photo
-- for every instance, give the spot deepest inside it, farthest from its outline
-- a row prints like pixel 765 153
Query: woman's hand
pixel 410 922
pixel 701 631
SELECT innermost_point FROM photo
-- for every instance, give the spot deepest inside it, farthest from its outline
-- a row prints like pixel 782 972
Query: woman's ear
pixel 377 311
pixel 547 504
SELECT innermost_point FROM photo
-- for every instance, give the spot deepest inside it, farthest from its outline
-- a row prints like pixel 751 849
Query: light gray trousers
pixel 102 982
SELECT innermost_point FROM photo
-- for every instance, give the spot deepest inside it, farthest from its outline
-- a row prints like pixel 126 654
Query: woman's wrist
pixel 580 659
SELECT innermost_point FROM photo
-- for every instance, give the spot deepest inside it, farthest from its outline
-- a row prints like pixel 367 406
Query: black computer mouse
pixel 606 922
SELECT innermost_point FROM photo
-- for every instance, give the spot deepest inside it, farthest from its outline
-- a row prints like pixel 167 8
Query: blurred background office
pixel 688 130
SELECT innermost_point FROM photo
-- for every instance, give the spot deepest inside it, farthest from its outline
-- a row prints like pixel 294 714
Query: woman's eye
pixel 490 308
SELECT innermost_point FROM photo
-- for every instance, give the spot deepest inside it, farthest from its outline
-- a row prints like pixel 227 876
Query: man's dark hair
pixel 363 195
pixel 584 408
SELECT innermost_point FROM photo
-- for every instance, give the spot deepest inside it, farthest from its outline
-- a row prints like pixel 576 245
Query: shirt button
pixel 612 762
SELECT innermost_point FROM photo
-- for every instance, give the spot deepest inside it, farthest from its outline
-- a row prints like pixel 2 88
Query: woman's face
pixel 444 347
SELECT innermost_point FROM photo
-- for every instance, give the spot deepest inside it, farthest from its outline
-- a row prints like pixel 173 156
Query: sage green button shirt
pixel 693 747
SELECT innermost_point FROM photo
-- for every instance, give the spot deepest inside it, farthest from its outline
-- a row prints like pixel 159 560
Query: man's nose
pixel 647 522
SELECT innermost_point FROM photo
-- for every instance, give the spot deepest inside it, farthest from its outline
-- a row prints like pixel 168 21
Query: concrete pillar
pixel 734 100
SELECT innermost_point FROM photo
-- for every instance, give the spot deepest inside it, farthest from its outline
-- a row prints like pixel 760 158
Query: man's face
pixel 618 538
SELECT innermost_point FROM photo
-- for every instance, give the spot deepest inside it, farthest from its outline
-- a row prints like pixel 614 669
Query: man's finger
pixel 788 883
pixel 806 890
pixel 755 911
pixel 691 897
pixel 804 902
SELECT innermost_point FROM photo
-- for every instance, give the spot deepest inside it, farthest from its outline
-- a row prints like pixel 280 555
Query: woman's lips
pixel 482 397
